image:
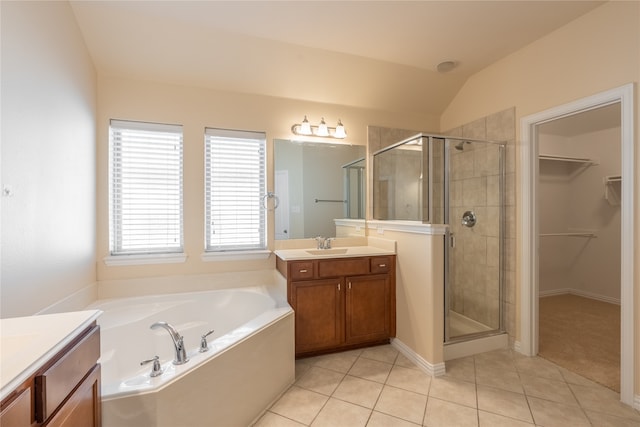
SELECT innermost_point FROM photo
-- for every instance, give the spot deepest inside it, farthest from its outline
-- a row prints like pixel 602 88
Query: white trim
pixel 415 227
pixel 456 350
pixel 143 259
pixel 349 222
pixel 529 225
pixel 517 346
pixel 579 293
pixel 235 255
pixel 428 368
pixel 636 402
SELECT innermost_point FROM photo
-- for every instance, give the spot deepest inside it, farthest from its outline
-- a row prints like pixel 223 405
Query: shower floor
pixel 460 324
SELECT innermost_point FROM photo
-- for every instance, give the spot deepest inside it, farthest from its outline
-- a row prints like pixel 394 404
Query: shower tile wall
pixel 475 185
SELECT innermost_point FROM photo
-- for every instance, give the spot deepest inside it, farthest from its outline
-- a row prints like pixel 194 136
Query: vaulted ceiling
pixel 378 55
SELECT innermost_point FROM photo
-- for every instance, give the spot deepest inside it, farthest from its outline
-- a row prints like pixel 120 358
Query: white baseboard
pixel 554 292
pixel 77 301
pixel 517 346
pixel 636 402
pixel 579 293
pixel 427 367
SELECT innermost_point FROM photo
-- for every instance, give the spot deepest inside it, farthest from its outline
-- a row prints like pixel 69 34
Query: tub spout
pixel 178 342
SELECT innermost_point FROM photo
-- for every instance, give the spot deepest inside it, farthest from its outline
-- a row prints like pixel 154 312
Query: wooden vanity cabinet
pixel 340 303
pixel 64 391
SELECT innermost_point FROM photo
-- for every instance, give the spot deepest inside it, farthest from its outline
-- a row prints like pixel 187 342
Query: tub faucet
pixel 178 342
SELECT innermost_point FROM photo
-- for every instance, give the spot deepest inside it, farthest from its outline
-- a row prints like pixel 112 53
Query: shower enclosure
pixel 459 182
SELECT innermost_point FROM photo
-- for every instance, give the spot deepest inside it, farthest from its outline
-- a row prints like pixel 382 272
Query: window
pixel 234 188
pixel 145 188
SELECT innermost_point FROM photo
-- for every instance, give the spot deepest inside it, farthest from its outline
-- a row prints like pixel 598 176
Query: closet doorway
pixel 579 183
pixel 529 225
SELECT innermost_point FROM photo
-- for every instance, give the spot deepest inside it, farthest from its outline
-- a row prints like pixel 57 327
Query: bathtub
pixel 250 361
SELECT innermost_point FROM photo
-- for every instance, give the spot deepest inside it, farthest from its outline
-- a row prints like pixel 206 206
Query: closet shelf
pixel 612 189
pixel 589 235
pixel 582 160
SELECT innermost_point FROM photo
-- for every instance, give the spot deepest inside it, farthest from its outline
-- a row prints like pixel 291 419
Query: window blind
pixel 234 187
pixel 145 188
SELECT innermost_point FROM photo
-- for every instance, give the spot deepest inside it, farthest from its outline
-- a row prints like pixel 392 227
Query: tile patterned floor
pixel 379 387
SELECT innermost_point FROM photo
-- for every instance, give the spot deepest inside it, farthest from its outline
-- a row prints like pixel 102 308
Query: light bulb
pixel 340 132
pixel 305 127
pixel 322 129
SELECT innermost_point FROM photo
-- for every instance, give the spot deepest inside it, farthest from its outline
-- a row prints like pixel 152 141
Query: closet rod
pixel 330 201
pixel 568 234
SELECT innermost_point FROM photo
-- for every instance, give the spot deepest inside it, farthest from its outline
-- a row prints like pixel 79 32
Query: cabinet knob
pixel 349 285
pixel 338 286
pixel 303 271
pixel 382 265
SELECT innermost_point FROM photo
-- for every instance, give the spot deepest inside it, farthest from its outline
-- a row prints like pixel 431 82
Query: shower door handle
pixel 452 240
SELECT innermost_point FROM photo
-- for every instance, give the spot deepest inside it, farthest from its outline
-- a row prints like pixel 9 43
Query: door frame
pixel 529 230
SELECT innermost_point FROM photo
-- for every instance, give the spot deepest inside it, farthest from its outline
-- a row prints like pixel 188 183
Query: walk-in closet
pixel 579 186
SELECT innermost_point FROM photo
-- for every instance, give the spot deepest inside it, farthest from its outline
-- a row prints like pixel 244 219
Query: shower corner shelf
pixel 612 184
pixel 581 160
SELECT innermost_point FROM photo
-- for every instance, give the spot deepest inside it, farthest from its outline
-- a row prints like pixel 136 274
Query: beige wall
pixel 419 293
pixel 48 157
pixel 195 109
pixel 594 53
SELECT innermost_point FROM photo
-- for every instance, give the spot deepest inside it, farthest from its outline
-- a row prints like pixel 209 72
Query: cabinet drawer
pixel 380 264
pixel 301 270
pixel 57 382
pixel 343 267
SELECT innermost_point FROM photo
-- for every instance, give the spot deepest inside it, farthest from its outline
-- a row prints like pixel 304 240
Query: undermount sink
pixel 336 251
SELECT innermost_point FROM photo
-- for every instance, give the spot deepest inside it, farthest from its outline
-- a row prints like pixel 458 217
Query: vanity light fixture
pixel 322 130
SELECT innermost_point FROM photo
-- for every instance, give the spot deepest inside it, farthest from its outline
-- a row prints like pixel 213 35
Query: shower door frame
pixel 448 240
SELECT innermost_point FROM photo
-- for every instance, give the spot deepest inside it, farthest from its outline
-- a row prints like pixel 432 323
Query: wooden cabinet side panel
pixel 319 318
pixel 55 384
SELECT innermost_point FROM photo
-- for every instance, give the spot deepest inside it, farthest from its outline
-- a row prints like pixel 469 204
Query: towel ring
pixel 270 195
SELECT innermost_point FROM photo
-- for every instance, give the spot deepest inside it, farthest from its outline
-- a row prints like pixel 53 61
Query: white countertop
pixel 339 252
pixel 28 342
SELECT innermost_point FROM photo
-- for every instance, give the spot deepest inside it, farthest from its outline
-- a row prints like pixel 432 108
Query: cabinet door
pixel 319 313
pixel 368 308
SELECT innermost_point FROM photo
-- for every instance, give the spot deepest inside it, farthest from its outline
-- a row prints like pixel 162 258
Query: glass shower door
pixel 475 247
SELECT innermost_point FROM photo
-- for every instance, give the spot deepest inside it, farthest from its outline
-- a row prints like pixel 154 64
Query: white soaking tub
pixel 250 361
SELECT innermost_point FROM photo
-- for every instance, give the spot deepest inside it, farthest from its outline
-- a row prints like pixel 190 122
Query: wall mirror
pixel 317 183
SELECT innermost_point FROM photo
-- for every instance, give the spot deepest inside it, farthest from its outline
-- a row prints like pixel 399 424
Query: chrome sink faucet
pixel 178 342
pixel 323 242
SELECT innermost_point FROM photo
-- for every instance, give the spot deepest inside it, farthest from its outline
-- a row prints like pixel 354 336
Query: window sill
pixel 142 259
pixel 235 255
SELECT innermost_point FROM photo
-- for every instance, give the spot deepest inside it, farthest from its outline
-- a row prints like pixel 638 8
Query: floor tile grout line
pixel 424 415
pixel 475 381
pixel 520 371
